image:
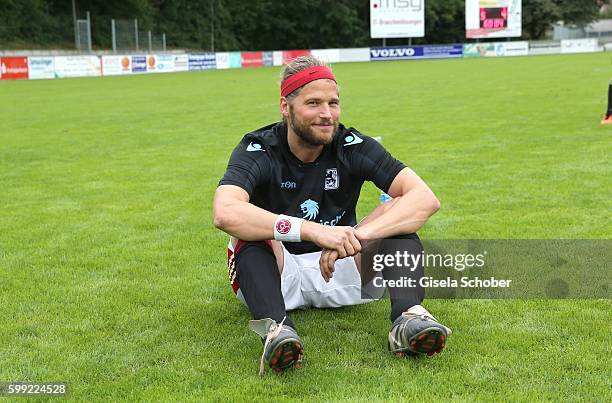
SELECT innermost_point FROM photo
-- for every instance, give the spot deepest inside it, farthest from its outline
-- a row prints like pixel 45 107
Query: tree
pixel 257 24
pixel 579 12
pixel 538 15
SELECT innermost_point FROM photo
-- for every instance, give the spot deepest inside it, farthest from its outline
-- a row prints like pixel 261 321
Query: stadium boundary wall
pixel 52 66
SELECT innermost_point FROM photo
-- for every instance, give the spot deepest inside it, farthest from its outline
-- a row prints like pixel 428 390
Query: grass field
pixel 113 278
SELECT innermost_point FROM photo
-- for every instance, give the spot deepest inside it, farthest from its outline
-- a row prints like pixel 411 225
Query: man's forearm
pixel 406 214
pixel 248 222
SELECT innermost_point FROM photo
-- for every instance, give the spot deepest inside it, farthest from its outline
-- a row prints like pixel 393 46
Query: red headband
pixel 302 78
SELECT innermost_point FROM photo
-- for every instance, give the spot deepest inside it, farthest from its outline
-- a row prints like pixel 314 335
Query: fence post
pixel 88 32
pixel 150 43
pixel 136 32
pixel 164 41
pixel 76 29
pixel 114 36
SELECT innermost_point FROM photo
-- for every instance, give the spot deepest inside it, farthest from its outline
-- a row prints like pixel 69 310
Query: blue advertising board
pixel 416 52
pixel 139 64
pixel 202 61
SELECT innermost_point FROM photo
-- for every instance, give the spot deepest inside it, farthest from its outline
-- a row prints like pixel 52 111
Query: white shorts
pixel 303 286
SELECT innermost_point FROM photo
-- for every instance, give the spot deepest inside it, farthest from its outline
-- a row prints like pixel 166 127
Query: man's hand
pixel 336 242
pixel 326 263
pixel 340 239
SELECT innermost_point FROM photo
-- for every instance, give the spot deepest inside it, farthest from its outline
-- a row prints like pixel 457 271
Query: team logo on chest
pixel 332 180
pixel 310 209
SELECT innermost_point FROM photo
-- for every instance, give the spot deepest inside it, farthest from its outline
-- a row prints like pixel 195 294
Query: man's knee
pixel 406 236
pixel 253 249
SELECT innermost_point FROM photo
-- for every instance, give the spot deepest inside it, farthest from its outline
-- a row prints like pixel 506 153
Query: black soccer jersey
pixel 324 191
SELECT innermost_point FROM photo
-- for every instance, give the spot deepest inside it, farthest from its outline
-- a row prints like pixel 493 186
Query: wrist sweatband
pixel 287 228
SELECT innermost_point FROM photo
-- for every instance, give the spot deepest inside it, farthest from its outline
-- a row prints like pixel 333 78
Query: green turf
pixel 113 278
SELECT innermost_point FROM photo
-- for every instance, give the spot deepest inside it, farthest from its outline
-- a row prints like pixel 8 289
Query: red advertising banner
pixel 14 68
pixel 252 59
pixel 289 55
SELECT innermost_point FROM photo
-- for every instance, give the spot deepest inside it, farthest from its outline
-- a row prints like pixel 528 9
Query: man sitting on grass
pixel 288 200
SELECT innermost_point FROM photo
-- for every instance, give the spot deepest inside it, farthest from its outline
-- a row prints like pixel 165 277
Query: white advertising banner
pixel 116 65
pixel 354 55
pixel 41 67
pixel 277 58
pixel 165 63
pixel 545 48
pixel 579 45
pixel 397 18
pixel 181 62
pixel 160 63
pixel 77 66
pixel 496 49
pixel 327 55
pixel 493 18
pixel 512 48
pixel 223 60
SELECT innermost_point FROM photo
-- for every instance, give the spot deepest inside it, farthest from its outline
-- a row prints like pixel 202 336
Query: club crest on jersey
pixel 310 209
pixel 332 181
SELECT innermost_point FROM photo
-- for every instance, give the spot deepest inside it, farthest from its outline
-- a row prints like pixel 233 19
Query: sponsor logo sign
pixel 416 52
pixel 545 48
pixel 139 64
pixel 151 64
pixel 202 61
pixel 496 49
pixel 164 63
pixel 252 59
pixel 181 62
pixel 579 45
pixel 223 60
pixel 397 18
pixel 78 66
pixel 288 185
pixel 41 67
pixel 14 68
pixel 116 65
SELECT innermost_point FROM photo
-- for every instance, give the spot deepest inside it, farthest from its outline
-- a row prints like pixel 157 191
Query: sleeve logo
pixel 255 147
pixel 351 139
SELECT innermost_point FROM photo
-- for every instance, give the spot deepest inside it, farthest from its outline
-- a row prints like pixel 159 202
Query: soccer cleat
pixel 607 120
pixel 416 331
pixel 283 348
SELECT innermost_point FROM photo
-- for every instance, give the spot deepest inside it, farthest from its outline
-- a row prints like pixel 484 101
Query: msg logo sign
pixel 384 5
pixel 397 18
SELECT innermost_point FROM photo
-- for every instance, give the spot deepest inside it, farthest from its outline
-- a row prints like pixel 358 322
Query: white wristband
pixel 287 228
